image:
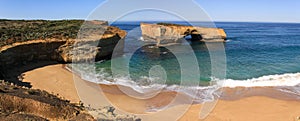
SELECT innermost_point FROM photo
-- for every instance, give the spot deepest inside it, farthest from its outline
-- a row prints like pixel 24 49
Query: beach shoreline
pixel 258 104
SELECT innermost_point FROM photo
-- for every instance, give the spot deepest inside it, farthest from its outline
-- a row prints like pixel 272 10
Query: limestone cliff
pixel 96 41
pixel 172 33
pixel 64 41
pixel 92 46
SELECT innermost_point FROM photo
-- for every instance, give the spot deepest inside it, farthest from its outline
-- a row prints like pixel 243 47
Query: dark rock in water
pixel 154 52
pixel 164 33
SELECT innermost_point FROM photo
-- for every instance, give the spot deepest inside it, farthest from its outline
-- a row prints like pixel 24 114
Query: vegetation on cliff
pixel 169 24
pixel 12 31
pixel 23 41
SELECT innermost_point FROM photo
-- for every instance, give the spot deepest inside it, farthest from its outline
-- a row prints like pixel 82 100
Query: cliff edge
pixel 65 41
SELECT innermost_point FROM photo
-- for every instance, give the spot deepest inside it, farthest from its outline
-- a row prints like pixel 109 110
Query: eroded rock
pixel 96 40
pixel 164 33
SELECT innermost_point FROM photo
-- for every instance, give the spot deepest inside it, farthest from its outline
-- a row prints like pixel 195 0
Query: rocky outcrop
pixel 164 33
pixel 96 40
pixel 108 113
pixel 20 103
pixel 89 48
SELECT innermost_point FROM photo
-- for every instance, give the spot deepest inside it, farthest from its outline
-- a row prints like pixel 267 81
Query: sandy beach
pixel 250 107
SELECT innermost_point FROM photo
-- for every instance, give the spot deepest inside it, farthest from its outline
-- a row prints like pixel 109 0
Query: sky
pixel 216 10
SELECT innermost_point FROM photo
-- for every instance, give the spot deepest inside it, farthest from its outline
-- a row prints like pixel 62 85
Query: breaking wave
pixel 288 79
pixel 198 93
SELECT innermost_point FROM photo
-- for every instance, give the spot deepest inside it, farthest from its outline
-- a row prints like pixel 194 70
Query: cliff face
pixel 90 48
pixel 96 41
pixel 172 33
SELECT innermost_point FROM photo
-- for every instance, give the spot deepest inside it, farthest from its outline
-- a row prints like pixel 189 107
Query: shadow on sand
pixel 15 74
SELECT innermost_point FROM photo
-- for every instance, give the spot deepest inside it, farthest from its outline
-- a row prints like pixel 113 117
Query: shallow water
pixel 253 50
pixel 257 54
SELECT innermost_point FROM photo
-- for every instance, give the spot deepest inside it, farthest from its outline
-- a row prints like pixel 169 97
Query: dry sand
pixel 56 79
pixel 53 79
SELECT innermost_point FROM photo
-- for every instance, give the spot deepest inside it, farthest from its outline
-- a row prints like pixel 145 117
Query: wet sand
pixel 252 104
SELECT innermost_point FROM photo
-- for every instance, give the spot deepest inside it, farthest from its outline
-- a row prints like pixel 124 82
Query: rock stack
pixel 165 33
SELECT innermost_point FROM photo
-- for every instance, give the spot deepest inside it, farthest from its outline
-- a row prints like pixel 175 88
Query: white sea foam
pixel 141 38
pixel 201 93
pixel 228 40
pixel 289 79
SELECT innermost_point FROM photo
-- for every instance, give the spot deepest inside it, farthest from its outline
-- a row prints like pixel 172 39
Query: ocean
pixel 256 54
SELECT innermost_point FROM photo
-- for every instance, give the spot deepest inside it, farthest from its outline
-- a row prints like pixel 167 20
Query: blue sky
pixel 218 10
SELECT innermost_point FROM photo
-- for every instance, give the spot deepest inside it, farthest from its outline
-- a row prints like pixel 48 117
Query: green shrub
pixel 24 30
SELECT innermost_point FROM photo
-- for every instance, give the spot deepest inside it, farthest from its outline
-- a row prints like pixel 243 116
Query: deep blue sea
pixel 266 52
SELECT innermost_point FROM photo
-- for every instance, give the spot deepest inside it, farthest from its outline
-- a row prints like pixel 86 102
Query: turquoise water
pixel 253 50
pixel 258 49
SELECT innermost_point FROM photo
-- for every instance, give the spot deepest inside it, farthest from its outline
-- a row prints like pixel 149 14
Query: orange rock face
pixel 96 40
pixel 171 33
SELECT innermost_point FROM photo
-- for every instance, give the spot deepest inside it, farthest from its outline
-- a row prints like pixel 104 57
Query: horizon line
pixel 225 21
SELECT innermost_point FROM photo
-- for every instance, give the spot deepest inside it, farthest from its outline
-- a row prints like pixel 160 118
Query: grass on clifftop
pixel 22 30
pixel 169 24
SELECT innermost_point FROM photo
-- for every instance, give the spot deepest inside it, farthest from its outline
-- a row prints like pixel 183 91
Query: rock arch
pixel 152 32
